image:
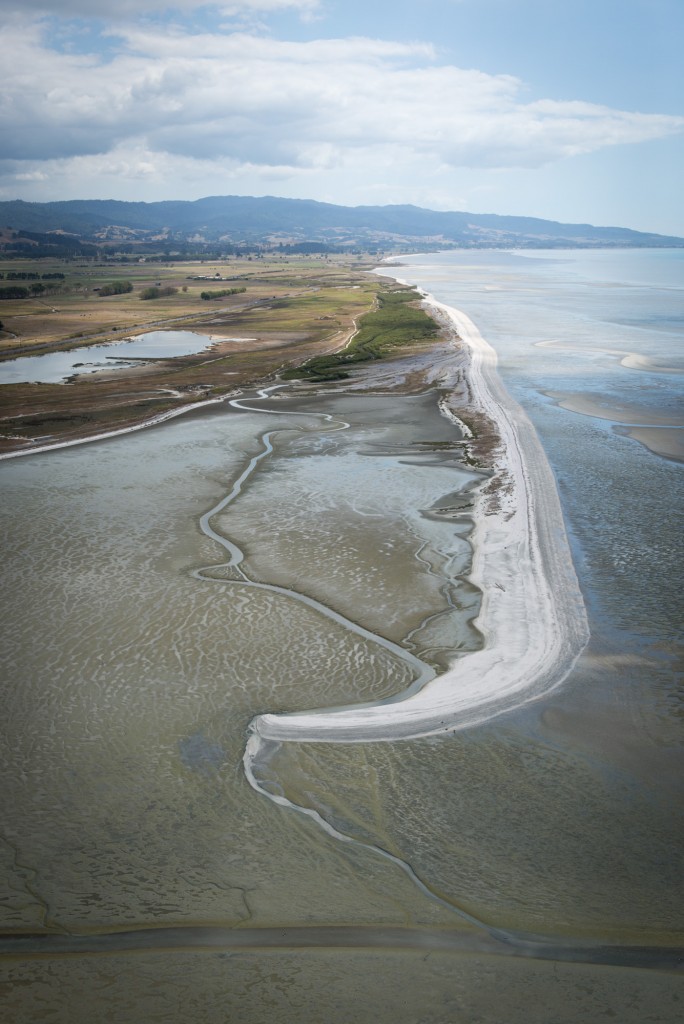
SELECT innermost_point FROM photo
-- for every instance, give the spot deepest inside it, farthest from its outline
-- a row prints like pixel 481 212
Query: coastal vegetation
pixel 395 322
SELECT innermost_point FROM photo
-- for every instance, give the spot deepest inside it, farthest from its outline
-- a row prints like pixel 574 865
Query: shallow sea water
pixel 129 685
pixel 563 322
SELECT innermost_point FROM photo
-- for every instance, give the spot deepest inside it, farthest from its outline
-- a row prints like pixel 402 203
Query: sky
pixel 571 110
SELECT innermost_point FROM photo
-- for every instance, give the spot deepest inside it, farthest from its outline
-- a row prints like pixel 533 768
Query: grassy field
pixel 293 311
pixel 396 321
pixel 78 313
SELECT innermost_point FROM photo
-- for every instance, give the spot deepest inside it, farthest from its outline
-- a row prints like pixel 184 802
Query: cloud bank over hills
pixel 185 98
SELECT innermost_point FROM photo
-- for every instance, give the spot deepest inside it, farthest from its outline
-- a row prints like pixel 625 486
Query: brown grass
pixel 294 308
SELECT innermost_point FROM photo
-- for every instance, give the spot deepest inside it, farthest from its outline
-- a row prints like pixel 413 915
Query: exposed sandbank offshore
pixel 662 435
pixel 532 613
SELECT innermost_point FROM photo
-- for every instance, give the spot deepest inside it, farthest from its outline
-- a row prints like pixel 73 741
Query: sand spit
pixel 532 613
pixel 630 360
pixel 662 435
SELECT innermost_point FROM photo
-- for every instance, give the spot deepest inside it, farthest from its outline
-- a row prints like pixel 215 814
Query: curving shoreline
pixel 154 421
pixel 532 613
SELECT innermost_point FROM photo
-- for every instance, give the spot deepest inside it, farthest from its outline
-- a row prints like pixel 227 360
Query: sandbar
pixel 532 613
pixel 599 407
pixel 630 360
pixel 668 442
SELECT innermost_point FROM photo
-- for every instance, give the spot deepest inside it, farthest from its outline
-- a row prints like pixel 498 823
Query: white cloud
pixel 32 176
pixel 259 106
pixel 306 7
pixel 108 11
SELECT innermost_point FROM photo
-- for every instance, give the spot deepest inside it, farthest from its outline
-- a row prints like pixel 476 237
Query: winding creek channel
pixel 284 675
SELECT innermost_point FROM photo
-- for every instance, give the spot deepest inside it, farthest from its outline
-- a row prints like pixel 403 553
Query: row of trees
pixel 28 275
pixel 36 288
pixel 155 292
pixel 222 293
pixel 20 291
pixel 116 288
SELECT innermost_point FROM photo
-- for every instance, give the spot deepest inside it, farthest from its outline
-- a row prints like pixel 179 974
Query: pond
pixel 53 367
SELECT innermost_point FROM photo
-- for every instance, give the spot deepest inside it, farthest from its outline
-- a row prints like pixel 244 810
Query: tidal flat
pixel 135 660
pixel 125 725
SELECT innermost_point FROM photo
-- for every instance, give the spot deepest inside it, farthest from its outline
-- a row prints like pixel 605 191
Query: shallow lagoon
pixel 54 367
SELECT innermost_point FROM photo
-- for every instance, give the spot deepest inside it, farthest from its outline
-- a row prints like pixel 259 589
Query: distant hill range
pixel 222 223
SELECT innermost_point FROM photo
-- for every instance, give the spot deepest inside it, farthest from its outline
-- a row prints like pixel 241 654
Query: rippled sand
pixel 337 987
pixel 129 684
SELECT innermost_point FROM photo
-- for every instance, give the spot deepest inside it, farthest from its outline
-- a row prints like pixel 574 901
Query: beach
pixel 532 614
pixel 379 570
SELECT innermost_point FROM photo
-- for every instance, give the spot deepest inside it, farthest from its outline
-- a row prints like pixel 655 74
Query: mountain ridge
pixel 271 220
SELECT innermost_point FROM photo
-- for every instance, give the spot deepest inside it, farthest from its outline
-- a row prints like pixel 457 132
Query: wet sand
pixel 132 826
pixel 662 435
pixel 338 986
pixel 667 442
